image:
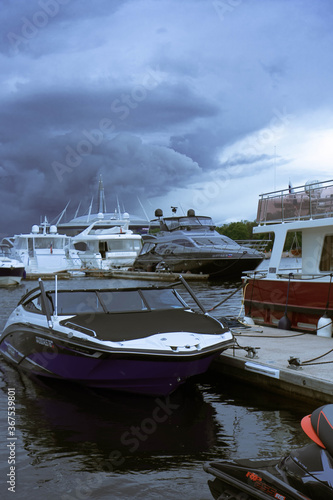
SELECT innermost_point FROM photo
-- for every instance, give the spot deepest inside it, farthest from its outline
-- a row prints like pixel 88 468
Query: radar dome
pixel 191 213
pixel 53 229
pixel 312 185
pixel 314 188
pixel 35 229
pixel 158 212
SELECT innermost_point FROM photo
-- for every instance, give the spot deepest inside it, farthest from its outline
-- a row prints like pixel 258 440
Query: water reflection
pixel 255 423
pixel 64 418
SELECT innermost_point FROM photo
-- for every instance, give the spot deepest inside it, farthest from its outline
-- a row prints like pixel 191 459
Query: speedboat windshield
pixel 197 222
pixel 115 301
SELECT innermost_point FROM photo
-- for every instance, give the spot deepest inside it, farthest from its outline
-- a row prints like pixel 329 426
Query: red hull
pixel 265 301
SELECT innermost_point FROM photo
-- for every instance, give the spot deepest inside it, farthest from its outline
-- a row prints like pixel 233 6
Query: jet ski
pixel 304 474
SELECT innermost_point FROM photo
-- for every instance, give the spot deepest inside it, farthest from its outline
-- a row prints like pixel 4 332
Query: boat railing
pixel 292 273
pixel 310 201
pixel 81 329
pixel 259 245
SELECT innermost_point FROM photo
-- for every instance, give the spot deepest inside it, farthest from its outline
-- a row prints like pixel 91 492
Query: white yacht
pixel 11 270
pixel 42 250
pixel 97 248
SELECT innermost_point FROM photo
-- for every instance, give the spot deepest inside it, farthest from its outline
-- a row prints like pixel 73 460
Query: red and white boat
pixel 299 297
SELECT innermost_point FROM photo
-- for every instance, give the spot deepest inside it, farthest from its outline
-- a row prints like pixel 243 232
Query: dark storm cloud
pixel 58 160
pixel 33 26
pixel 128 107
pixel 153 94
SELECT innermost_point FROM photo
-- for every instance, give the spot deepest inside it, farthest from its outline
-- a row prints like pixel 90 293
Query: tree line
pixel 243 230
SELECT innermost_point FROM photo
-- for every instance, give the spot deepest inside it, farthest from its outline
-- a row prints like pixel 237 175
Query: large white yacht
pixel 105 249
pixel 42 250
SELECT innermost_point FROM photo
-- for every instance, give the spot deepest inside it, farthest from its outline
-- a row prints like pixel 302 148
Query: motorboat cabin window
pixel 228 241
pixel 326 260
pixel 81 246
pixel 21 243
pixel 54 243
pixel 188 223
pixel 218 241
pixel 137 245
pixel 183 242
pixel 147 247
pixel 203 241
pixel 120 245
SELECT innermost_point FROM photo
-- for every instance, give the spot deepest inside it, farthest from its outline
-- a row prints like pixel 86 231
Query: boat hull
pixel 304 474
pixel 216 266
pixel 11 276
pixel 142 373
pixel 265 300
pixel 259 480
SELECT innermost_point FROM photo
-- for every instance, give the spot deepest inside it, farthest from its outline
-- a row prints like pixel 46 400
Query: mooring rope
pixel 227 298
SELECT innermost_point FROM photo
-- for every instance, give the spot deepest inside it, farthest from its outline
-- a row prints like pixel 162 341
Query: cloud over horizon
pixel 164 98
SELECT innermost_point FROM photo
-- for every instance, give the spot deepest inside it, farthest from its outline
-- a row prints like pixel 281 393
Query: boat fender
pixel 324 327
pixel 248 320
pixel 284 323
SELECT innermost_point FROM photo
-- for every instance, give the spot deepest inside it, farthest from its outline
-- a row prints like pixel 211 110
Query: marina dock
pixel 297 365
pixel 121 274
pixel 145 275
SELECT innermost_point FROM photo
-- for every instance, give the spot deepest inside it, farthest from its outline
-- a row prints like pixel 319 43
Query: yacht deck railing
pixel 311 201
pixel 259 245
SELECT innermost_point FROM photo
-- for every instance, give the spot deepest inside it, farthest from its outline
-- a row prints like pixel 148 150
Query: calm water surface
pixel 77 443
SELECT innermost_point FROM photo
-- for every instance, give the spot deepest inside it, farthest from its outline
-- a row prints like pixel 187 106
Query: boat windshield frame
pixel 185 223
pixel 106 301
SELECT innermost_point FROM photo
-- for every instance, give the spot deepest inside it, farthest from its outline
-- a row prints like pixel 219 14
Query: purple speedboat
pixel 143 340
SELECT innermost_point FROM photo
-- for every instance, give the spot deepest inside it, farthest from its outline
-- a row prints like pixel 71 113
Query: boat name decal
pixel 46 342
pixel 261 485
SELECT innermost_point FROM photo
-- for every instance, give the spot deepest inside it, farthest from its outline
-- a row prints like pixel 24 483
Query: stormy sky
pixel 192 103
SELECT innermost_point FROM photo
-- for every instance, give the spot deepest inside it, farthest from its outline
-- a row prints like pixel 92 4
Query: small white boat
pixel 11 270
pixel 105 249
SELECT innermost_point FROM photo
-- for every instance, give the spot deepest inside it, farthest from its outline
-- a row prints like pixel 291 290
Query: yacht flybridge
pixel 300 295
